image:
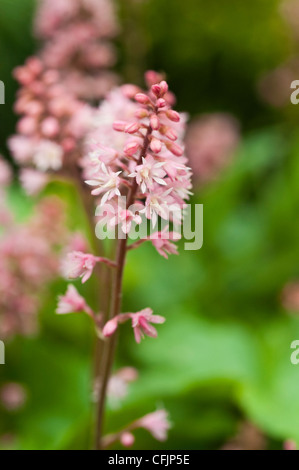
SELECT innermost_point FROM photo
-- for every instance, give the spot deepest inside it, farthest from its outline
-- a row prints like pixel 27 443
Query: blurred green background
pixel 223 356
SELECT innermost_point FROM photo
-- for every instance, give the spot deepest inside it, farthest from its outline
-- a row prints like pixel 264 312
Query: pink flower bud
pixel 127 439
pixel 27 126
pixel 173 115
pixel 161 103
pixel 132 128
pixel 119 126
pixel 50 127
pixel 130 91
pixel 156 145
pixel 156 89
pixel 152 77
pixel 142 98
pixel 155 123
pixel 175 149
pixel 141 113
pixel 34 65
pixel 163 87
pixel 171 134
pixel 68 144
pixel 110 327
pixel 131 148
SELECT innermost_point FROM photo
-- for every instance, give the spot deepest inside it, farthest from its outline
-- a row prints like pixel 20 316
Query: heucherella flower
pixel 157 423
pixel 148 156
pixel 75 35
pixel 53 122
pixel 141 324
pixel 162 242
pixel 81 265
pixel 108 182
pixel 29 261
pixel 118 386
pixel 33 181
pixel 148 172
pixel 78 265
pixel 72 302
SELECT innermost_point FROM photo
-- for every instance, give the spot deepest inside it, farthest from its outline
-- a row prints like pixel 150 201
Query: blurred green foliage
pixel 223 355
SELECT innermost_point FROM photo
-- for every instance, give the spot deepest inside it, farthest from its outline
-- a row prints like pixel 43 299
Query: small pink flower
pixel 157 423
pixel 140 323
pixel 149 172
pixel 108 182
pixel 161 241
pixel 33 181
pixel 78 264
pixel 71 302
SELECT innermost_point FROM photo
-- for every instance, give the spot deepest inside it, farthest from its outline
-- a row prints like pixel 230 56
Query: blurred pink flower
pixel 33 181
pixel 157 423
pixel 290 296
pixel 76 36
pixel 71 302
pixel 78 264
pixel 13 396
pixel 210 144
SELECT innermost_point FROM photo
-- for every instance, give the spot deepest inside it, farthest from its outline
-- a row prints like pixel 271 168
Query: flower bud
pixel 142 98
pixel 119 126
pixel 173 115
pixel 156 145
pixel 155 123
pixel 131 148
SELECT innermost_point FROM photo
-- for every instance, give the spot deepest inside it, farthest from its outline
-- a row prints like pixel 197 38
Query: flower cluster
pixel 148 155
pixel 29 259
pixel 52 126
pixel 76 35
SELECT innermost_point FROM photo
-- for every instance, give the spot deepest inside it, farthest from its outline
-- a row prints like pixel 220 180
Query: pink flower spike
pixel 78 264
pixel 157 423
pixel 71 302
